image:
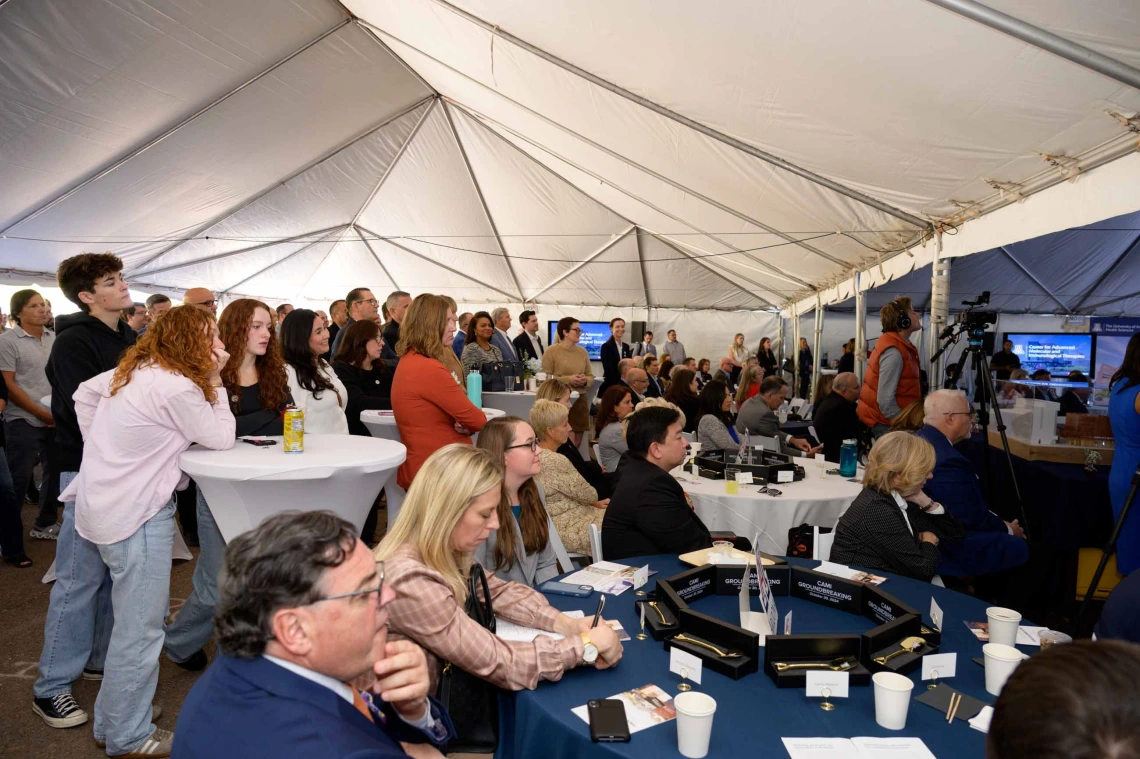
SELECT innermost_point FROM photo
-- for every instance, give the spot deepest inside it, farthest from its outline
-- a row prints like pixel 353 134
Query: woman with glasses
pixel 450 511
pixel 315 388
pixel 574 504
pixel 568 362
pixel 520 550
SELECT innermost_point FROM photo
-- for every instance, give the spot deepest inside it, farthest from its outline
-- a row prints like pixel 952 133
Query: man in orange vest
pixel 891 382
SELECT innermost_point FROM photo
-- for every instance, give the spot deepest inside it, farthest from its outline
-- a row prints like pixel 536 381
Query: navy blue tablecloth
pixel 752 715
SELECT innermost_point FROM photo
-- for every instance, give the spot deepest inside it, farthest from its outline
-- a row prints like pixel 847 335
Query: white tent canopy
pixel 648 154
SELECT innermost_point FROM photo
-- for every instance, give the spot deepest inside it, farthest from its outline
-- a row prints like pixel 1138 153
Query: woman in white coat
pixel 315 388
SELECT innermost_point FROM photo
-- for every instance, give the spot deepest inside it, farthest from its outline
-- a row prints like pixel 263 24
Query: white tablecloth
pixel 247 484
pixel 382 424
pixel 520 403
pixel 814 500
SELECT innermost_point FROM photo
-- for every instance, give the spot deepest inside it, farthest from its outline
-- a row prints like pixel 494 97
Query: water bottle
pixel 848 458
pixel 475 388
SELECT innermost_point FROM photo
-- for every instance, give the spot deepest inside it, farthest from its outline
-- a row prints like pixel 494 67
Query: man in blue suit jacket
pixel 300 623
pixel 991 545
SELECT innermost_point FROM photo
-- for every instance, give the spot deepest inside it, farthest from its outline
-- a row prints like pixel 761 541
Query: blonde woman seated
pixel 572 502
pixel 520 549
pixel 880 530
pixel 450 510
pixel 599 479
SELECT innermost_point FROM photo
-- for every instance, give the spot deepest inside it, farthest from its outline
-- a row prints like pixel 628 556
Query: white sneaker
pixel 160 743
pixel 46 533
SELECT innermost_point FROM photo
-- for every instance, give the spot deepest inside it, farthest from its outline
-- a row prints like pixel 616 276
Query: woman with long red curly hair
pixel 136 420
pixel 257 391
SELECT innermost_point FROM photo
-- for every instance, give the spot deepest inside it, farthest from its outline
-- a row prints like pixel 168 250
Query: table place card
pixel 946 664
pixel 936 615
pixel 640 576
pixel 679 660
pixel 744 478
pixel 784 476
pixel 788 623
pixel 818 679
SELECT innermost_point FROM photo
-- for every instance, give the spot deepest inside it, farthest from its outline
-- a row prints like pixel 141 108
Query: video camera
pixel 977 321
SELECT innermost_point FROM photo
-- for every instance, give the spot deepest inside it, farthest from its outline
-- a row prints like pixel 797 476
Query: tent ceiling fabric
pixel 285 150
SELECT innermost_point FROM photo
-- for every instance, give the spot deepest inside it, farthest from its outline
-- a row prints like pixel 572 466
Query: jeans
pixel 11 526
pixel 140 595
pixel 194 625
pixel 26 444
pixel 79 618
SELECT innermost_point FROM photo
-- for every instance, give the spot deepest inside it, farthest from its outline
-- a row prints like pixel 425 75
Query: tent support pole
pixel 641 268
pixel 815 356
pixel 483 203
pixel 383 268
pixel 690 123
pixel 231 253
pixel 294 254
pixel 1107 272
pixel 795 354
pixel 1047 41
pixel 860 327
pixel 234 211
pixel 939 306
pixel 445 267
pixel 585 261
pixel 150 144
pixel 392 165
pixel 1036 281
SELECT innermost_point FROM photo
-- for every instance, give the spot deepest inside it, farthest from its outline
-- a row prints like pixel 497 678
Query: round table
pixel 818 499
pixel 248 484
pixel 382 424
pixel 752 715
pixel 517 403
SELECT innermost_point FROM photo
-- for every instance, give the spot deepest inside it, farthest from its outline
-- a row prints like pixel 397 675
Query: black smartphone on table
pixel 607 721
pixel 257 442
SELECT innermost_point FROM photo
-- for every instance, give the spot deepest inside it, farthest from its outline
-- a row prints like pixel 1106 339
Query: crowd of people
pixel 306 609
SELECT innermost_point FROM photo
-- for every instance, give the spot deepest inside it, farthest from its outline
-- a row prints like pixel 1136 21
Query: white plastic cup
pixel 694 723
pixel 1001 661
pixel 1003 625
pixel 892 699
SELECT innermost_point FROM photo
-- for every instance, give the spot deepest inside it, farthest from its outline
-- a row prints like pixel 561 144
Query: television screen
pixel 1109 356
pixel 1060 353
pixel 593 335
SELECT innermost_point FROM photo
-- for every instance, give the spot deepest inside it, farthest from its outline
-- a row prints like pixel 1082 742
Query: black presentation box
pixel 884 640
pixel 828 590
pixel 696 583
pixel 724 636
pixel 811 648
pixel 667 596
pixel 765 466
pixel 880 606
pixel 779 578
pixel 657 629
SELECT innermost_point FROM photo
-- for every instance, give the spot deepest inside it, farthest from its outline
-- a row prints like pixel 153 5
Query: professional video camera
pixel 977 321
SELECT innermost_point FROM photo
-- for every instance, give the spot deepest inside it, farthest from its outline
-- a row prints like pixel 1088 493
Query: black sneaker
pixel 59 711
pixel 92 674
pixel 196 663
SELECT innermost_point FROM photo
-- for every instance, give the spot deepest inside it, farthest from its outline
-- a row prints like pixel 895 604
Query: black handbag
pixel 471 702
pixel 500 376
pixel 801 541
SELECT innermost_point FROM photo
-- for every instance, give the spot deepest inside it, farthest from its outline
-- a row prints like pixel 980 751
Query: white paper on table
pixel 1029 636
pixel 819 748
pixel 679 660
pixel 835 682
pixel 847 573
pixel 652 706
pixel 857 748
pixel 945 664
pixel 936 615
pixel 788 623
pixel 605 577
pixel 640 576
pixel 744 478
pixel 981 720
pixel 784 476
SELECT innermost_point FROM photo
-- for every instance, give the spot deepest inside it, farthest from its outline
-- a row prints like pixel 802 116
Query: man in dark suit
pixel 758 414
pixel 654 388
pixel 301 619
pixel 649 512
pixel 990 545
pixel 527 343
pixel 835 419
pixel 724 374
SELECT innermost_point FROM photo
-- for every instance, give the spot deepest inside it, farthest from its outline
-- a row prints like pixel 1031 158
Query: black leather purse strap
pixel 481 610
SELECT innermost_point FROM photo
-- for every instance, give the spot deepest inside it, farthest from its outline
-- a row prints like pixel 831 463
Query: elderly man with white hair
pixel 835 419
pixel 990 545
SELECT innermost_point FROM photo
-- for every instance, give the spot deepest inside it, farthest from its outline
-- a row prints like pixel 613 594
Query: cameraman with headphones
pixel 891 381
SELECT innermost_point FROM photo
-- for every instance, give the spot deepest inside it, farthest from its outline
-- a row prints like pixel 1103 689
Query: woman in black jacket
pixel 683 394
pixel 613 351
pixel 766 358
pixel 892 525
pixel 364 374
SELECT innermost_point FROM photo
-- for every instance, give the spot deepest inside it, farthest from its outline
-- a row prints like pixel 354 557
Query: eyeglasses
pixel 971 414
pixel 367 591
pixel 771 491
pixel 370 301
pixel 206 303
pixel 532 445
pixel 574 329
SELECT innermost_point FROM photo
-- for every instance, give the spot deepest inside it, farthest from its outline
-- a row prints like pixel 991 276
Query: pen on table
pixel 598 613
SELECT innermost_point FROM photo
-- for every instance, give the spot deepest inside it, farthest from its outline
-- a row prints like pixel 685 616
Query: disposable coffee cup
pixel 694 723
pixel 1003 625
pixel 1001 661
pixel 892 699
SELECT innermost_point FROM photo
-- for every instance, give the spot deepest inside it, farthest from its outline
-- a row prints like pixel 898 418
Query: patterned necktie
pixel 358 702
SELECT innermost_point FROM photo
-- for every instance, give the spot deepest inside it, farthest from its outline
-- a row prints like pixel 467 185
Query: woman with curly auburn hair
pixel 257 391
pixel 136 421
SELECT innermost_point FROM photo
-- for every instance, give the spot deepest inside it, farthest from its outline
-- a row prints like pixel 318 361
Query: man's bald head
pixel 624 366
pixel 725 364
pixel 847 385
pixel 200 297
pixel 637 380
pixel 949 412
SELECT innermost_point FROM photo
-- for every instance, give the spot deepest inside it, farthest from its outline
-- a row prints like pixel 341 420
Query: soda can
pixel 294 430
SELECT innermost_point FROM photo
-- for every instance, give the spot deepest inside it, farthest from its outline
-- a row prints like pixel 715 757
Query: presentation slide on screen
pixel 593 335
pixel 1060 354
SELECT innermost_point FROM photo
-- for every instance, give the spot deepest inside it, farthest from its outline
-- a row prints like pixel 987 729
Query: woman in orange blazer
pixel 428 394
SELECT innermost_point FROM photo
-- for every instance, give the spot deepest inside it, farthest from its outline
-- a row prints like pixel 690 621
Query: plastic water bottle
pixel 475 388
pixel 848 458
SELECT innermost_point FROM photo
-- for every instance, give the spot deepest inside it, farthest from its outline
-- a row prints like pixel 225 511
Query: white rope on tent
pixel 616 239
pixel 238 252
pixel 292 255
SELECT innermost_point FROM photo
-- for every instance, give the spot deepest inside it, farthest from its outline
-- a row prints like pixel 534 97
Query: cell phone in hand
pixel 607 721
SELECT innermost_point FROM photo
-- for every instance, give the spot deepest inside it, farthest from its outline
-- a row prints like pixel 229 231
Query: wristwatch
pixel 590 651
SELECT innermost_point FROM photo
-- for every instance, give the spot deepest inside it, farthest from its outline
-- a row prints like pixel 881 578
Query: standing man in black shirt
pixel 1005 361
